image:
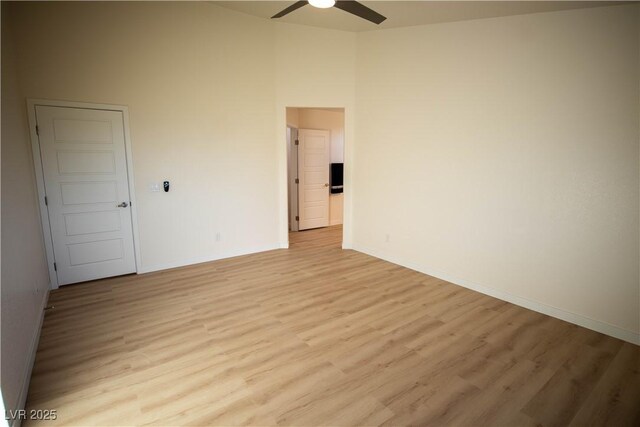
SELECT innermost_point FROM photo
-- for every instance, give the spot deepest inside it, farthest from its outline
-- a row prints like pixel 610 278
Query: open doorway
pixel 315 162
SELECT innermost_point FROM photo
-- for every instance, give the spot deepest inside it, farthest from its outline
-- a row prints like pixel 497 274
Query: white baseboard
pixel 549 310
pixel 208 258
pixel 31 358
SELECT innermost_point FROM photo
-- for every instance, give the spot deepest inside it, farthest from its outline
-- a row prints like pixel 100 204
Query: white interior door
pixel 87 189
pixel 314 151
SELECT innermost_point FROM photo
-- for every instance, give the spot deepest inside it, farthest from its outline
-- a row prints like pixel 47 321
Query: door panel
pixel 96 251
pixel 87 162
pixel 92 222
pixel 313 166
pixel 86 131
pixel 82 193
pixel 85 173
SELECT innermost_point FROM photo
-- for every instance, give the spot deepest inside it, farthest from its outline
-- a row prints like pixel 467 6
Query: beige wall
pixel 502 154
pixel 316 68
pixel 206 89
pixel 293 117
pixel 199 84
pixel 25 279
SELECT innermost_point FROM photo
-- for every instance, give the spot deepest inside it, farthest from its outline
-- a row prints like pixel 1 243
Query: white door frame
pixel 291 178
pixel 37 161
pixel 282 166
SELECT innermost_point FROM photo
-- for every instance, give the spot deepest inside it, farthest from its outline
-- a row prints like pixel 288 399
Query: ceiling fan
pixel 350 6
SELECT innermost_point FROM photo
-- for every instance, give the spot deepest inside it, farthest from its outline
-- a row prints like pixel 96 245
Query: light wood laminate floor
pixel 316 335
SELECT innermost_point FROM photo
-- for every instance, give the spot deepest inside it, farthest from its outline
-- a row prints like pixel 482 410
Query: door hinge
pixel 46 201
pixel 55 266
pixel 297 142
pixel 297 218
pixel 37 130
pixel 297 181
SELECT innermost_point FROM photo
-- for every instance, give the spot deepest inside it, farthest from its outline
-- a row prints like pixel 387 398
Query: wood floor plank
pixel 317 335
pixel 619 388
pixel 560 399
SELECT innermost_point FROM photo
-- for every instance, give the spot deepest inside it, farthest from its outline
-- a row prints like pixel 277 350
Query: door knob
pixel 123 205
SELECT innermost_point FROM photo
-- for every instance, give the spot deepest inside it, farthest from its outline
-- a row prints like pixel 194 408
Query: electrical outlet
pixel 387 237
pixel 218 237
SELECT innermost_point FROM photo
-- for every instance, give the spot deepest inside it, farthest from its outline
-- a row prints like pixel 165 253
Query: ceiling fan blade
pixel 360 10
pixel 297 5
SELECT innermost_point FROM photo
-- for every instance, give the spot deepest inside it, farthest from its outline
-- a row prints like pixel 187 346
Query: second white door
pixel 314 152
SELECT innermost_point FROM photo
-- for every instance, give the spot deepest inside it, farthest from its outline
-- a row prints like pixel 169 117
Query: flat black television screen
pixel 336 178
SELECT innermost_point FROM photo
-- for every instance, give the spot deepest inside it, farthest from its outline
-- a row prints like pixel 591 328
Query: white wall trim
pixel 132 189
pixel 31 358
pixel 208 258
pixel 37 160
pixel 44 217
pixel 292 187
pixel 539 307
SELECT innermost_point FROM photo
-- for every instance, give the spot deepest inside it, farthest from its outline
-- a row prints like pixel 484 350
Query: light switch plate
pixel 154 187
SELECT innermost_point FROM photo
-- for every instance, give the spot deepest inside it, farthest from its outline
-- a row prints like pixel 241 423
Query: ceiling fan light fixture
pixel 353 7
pixel 322 4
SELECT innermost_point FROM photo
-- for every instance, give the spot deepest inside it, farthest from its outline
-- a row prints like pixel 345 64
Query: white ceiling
pixel 404 13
